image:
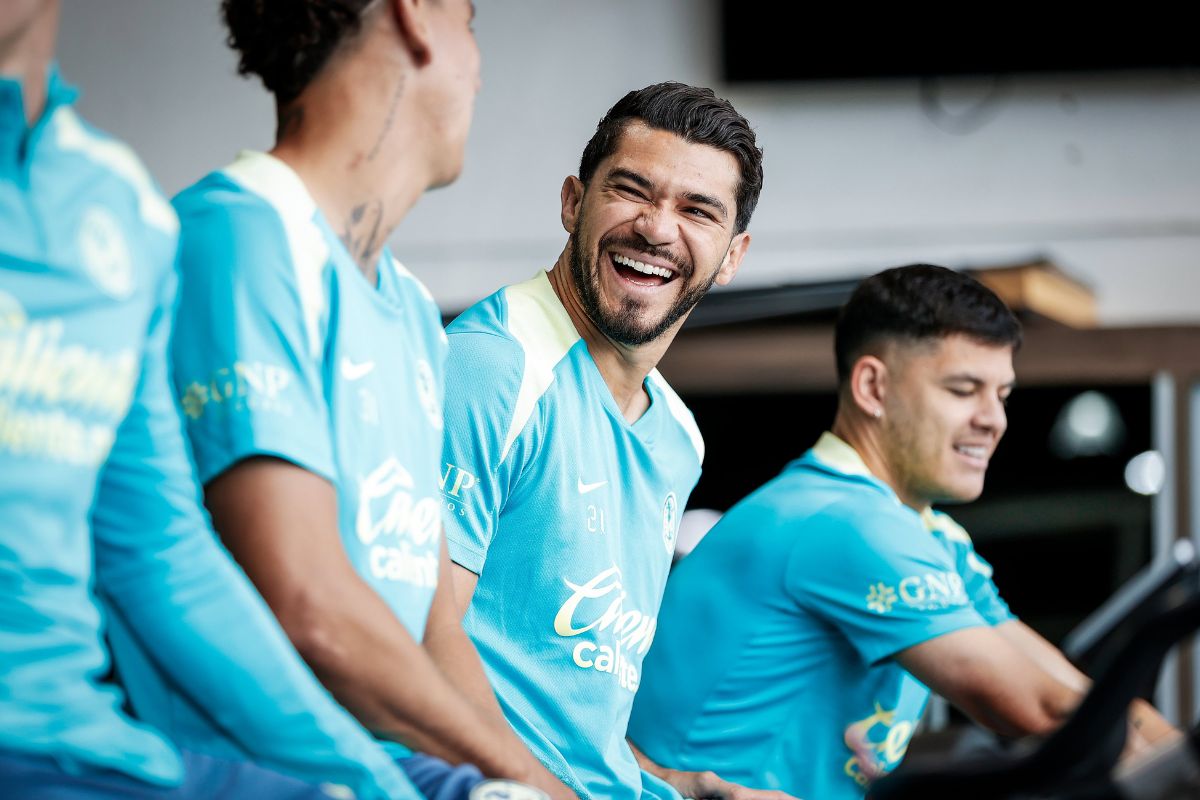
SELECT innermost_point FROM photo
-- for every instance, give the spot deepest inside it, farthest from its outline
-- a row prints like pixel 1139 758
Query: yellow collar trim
pixel 835 452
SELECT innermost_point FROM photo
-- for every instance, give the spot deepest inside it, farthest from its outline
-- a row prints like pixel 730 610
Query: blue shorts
pixel 438 780
pixel 35 777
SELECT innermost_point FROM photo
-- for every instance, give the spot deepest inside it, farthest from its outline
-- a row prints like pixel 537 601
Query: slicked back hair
pixel 693 113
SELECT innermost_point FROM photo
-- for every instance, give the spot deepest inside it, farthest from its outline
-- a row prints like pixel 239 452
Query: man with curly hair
pixel 309 363
pixel 98 498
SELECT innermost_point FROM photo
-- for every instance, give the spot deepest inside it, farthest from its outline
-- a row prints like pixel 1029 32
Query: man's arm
pixel 985 675
pixel 1011 680
pixel 280 522
pixel 159 566
pixel 452 651
pixel 1145 722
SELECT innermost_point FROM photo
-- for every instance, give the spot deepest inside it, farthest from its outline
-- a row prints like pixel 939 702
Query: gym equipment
pixel 1123 645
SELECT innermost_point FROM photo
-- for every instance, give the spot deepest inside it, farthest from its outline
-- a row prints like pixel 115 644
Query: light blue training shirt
pixel 568 514
pixel 283 349
pixel 97 495
pixel 778 630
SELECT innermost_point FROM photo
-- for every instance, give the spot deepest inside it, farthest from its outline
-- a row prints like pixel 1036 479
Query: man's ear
pixel 412 20
pixel 572 200
pixel 733 258
pixel 869 385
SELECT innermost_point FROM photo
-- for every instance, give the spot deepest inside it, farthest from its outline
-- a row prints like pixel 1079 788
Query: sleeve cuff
pixel 875 652
pixel 465 554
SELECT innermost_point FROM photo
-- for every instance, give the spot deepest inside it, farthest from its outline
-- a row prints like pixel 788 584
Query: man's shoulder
pixel 942 523
pixel 828 493
pixel 680 413
pixel 832 512
pixel 237 225
pixel 224 199
pixel 520 331
pixel 123 171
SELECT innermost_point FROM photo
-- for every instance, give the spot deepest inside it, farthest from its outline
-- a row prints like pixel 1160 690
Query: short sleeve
pixel 483 382
pixel 248 367
pixel 880 578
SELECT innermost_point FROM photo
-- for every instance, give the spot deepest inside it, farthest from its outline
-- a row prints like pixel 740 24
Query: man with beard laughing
pixel 568 457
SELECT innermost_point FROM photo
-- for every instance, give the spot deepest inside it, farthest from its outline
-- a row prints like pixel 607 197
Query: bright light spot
pixel 1146 473
pixel 1089 415
pixel 1089 425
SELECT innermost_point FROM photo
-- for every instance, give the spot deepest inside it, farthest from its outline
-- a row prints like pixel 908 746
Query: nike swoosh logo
pixel 584 488
pixel 353 372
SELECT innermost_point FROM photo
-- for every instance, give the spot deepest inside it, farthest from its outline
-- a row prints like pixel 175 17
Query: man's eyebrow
pixel 630 175
pixel 967 377
pixel 707 200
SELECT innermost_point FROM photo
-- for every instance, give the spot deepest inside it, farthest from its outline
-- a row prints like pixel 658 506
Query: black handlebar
pixel 1140 626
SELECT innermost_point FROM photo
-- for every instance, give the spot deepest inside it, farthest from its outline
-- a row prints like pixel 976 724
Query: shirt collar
pixel 834 453
pixel 17 140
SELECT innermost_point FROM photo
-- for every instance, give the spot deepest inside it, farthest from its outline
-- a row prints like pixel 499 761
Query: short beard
pixel 622 326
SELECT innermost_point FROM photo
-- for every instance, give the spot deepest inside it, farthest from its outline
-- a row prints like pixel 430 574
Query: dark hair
pixel 287 42
pixel 693 113
pixel 919 302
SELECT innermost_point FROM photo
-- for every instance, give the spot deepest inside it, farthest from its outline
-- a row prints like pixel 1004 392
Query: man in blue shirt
pixel 309 363
pixel 568 457
pixel 97 495
pixel 799 638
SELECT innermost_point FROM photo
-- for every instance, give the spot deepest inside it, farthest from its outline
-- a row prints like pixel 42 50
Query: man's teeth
pixel 972 451
pixel 645 269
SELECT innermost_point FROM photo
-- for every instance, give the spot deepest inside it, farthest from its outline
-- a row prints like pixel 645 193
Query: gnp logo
pixel 455 483
pixel 927 592
pixel 401 532
pixel 255 385
pixel 597 607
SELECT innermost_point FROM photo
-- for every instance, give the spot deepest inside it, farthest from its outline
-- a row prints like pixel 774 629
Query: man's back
pixel 281 348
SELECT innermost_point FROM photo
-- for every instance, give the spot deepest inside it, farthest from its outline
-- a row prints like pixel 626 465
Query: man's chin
pixel 622 333
pixel 957 495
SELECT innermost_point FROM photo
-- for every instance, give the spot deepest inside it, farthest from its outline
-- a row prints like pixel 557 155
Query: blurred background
pixel 1061 159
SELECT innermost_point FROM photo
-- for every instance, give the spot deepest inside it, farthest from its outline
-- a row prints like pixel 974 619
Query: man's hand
pixel 1147 732
pixel 705 785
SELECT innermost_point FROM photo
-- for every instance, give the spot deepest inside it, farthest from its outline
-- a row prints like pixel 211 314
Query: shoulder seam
pixel 682 414
pixel 279 188
pixel 119 159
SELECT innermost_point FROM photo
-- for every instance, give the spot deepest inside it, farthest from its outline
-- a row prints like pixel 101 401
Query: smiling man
pixel 569 459
pixel 826 602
